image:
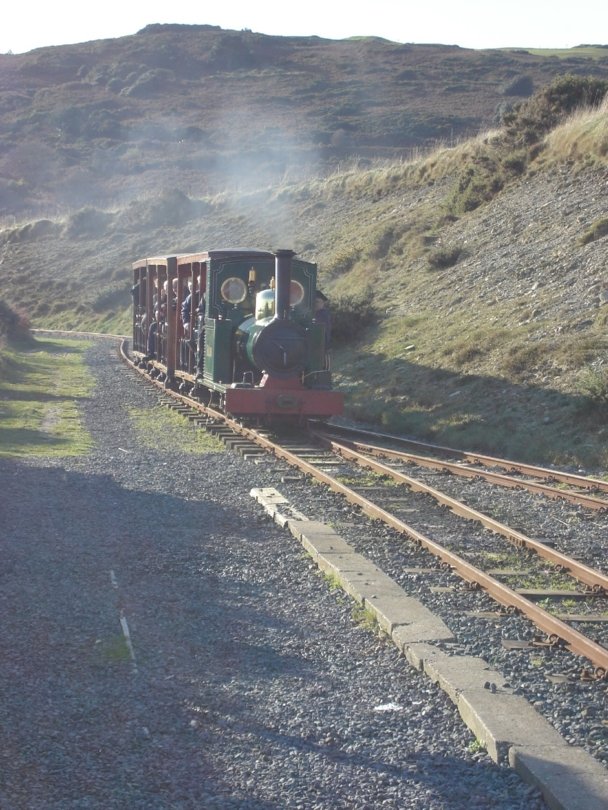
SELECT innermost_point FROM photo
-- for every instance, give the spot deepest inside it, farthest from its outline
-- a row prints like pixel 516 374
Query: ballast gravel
pixel 559 684
pixel 164 645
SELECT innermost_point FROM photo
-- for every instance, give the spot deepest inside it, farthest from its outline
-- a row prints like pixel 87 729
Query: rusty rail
pixel 595 580
pixel 544 473
pixel 578 498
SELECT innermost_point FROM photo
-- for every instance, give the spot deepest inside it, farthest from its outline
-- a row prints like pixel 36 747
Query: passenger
pixel 186 309
pixel 160 314
pixel 199 308
pixel 144 317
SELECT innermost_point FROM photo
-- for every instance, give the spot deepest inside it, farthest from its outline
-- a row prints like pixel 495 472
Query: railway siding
pixel 505 723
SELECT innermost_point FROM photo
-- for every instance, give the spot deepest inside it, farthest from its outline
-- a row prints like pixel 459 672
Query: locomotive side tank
pixel 256 350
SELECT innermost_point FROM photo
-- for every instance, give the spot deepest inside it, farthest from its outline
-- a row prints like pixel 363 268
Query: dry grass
pixel 582 138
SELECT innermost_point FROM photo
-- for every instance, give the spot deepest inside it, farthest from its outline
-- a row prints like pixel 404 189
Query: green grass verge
pixel 164 429
pixel 41 386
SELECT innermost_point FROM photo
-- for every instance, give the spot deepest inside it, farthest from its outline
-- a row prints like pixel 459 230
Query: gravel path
pixel 247 683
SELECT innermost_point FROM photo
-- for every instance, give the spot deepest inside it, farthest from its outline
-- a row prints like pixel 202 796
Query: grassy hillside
pixel 467 279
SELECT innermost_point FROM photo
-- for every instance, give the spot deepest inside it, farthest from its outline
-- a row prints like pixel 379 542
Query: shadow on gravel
pixel 149 658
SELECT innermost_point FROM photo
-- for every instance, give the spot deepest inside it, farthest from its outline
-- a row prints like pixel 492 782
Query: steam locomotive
pixel 237 330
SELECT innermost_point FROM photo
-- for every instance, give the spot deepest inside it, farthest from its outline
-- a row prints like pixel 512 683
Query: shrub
pixel 168 207
pixel 14 324
pixel 521 360
pixel 516 162
pixel 593 383
pixel 531 120
pixel 521 140
pixel 444 257
pixel 598 229
pixel 520 86
pixel 33 231
pixel 475 185
pixel 502 110
pixel 351 314
pixel 116 295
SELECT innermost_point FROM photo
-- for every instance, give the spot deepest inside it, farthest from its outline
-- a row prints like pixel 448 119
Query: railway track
pixel 471 552
pixel 577 489
pixel 487 695
pixel 465 540
pixel 475 594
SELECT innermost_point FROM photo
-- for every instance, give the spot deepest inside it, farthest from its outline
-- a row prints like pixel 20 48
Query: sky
pixel 29 24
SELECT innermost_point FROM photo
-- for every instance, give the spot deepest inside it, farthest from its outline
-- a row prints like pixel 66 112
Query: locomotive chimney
pixel 282 282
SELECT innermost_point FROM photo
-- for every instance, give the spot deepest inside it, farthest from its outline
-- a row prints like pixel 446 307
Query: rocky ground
pixel 165 646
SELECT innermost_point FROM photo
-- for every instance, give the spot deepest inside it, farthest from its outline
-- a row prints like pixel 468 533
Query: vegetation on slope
pixel 486 375
pixel 412 254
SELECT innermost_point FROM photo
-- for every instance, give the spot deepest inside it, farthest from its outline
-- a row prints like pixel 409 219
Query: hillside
pixel 483 258
pixel 107 122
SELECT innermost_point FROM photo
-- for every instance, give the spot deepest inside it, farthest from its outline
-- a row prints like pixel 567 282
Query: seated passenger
pixel 187 307
pixel 160 314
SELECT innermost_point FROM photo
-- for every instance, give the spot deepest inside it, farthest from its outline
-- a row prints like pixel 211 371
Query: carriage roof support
pixel 171 320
